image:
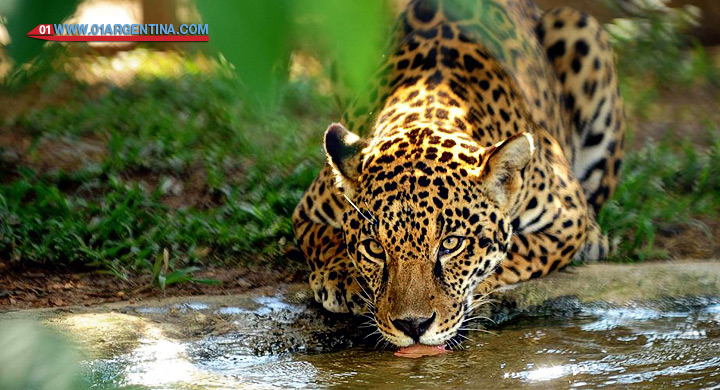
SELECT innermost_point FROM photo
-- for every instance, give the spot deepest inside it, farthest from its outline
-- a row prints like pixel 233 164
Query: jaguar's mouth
pixel 421 350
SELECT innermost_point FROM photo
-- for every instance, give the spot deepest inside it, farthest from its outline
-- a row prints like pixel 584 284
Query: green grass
pixel 670 185
pixel 664 186
pixel 657 48
pixel 252 169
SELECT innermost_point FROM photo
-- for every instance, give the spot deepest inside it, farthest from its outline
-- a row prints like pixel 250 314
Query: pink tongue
pixel 419 350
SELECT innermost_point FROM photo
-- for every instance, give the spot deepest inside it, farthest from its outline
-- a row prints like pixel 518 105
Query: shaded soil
pixel 37 288
pixel 50 153
pixel 699 240
pixel 19 147
pixel 685 113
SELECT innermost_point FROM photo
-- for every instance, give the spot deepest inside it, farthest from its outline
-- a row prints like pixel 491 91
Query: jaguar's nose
pixel 414 327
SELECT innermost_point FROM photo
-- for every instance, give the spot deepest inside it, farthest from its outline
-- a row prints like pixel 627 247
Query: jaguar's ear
pixel 344 151
pixel 501 169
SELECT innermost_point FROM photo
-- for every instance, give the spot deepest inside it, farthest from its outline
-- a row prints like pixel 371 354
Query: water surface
pixel 600 348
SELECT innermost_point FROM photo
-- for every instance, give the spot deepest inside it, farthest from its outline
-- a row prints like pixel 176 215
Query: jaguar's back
pixel 514 56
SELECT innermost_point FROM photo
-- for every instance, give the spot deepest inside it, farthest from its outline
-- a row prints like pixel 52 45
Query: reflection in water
pixel 166 364
pixel 265 305
pixel 615 348
pixel 543 374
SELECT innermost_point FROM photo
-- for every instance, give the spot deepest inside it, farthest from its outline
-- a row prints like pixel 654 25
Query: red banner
pixel 46 32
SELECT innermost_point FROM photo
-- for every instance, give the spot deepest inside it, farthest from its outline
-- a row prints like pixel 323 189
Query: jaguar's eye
pixel 373 249
pixel 450 245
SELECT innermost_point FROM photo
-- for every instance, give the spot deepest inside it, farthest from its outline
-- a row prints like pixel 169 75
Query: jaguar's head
pixel 429 220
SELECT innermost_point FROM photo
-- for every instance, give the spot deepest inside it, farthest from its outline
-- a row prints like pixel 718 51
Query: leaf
pixel 181 276
pixel 162 281
pixel 157 267
pixel 24 15
pixel 166 260
pixel 254 37
pixel 354 33
pixel 213 282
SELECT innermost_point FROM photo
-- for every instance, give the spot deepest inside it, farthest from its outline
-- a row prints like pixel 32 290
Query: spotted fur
pixel 492 127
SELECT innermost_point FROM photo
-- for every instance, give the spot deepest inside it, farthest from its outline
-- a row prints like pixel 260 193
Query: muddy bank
pixel 662 286
pixel 35 288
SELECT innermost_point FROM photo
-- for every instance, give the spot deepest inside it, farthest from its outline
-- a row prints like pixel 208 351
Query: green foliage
pixel 257 37
pixel 42 223
pixel 669 186
pixel 33 357
pixel 664 186
pixel 162 278
pixel 24 15
pixel 118 213
pixel 655 45
pixel 353 33
pixel 259 27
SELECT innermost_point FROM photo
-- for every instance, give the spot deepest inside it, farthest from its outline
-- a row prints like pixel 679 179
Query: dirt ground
pixel 37 288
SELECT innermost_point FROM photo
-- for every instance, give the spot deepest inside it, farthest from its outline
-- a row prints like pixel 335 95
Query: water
pixel 600 348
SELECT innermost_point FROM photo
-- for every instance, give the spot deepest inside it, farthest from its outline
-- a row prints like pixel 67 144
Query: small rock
pixel 57 302
pixel 244 283
pixel 202 252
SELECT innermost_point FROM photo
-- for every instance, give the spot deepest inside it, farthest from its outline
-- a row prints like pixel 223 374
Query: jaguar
pixel 478 157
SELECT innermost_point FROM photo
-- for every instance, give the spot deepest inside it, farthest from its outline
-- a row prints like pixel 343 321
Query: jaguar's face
pixel 424 232
pixel 422 260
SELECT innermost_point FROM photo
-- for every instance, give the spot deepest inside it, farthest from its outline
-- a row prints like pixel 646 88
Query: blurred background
pixel 132 169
